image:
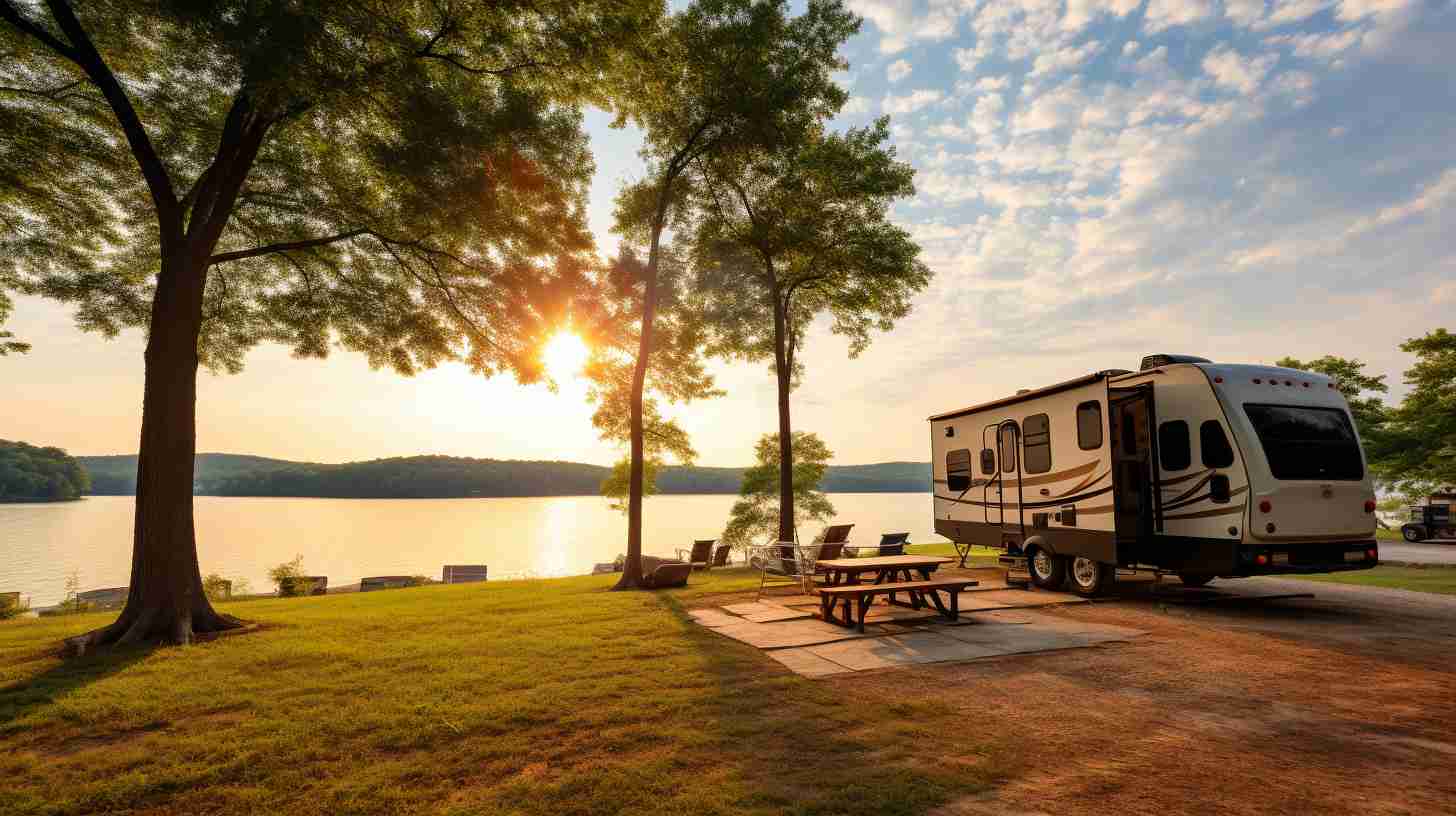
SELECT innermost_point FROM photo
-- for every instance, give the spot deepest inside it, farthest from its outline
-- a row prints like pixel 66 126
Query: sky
pixel 1096 181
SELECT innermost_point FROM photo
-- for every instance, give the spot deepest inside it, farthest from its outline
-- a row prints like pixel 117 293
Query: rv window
pixel 1301 442
pixel 958 470
pixel 1038 443
pixel 1006 446
pixel 1215 445
pixel 1089 425
pixel 1173 451
pixel 988 461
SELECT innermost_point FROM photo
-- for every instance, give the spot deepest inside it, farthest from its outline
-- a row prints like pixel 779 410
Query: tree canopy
pixel 1421 451
pixel 30 473
pixel 755 516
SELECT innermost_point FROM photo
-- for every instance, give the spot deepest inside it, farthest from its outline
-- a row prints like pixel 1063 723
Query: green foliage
pixel 12 607
pixel 219 588
pixel 8 343
pixel 385 178
pixel 755 516
pixel 787 234
pixel 1369 411
pixel 617 485
pixel 29 473
pixel 290 578
pixel 1420 453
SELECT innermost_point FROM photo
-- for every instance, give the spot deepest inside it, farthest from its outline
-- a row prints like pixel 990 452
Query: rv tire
pixel 1088 578
pixel 1193 579
pixel 1048 570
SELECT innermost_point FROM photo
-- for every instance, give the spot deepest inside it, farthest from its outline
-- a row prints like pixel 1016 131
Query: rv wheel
pixel 1190 579
pixel 1089 577
pixel 1048 571
pixel 1413 534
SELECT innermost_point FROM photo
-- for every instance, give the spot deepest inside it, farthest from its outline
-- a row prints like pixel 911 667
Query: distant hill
pixel 421 477
pixel 35 474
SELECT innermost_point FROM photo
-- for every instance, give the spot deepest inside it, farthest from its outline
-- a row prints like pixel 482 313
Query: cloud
pixel 1232 70
pixel 1434 199
pixel 1063 59
pixel 898 70
pixel 911 102
pixel 900 24
pixel 1162 15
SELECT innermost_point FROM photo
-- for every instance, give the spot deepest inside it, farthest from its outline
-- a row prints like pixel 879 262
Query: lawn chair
pixel 890 544
pixel 701 555
pixel 835 534
pixel 785 562
pixel 720 555
pixel 661 573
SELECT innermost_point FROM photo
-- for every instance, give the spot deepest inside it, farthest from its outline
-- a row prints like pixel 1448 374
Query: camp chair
pixel 890 544
pixel 785 562
pixel 660 573
pixel 720 555
pixel 701 555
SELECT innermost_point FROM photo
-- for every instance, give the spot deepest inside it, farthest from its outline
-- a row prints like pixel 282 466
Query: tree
pixel 755 516
pixel 678 374
pixel 789 233
pixel 29 473
pixel 724 76
pixel 390 178
pixel 1420 452
pixel 1359 389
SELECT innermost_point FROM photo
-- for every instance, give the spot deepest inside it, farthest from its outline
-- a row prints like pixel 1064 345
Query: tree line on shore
pixel 30 473
pixel 409 182
pixel 221 474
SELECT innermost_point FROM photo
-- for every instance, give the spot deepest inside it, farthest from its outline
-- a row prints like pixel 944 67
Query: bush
pixel 12 608
pixel 289 577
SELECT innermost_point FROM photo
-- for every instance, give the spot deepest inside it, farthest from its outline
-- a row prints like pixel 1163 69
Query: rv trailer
pixel 1186 466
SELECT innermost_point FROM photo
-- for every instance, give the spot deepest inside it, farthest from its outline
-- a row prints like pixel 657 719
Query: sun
pixel 564 355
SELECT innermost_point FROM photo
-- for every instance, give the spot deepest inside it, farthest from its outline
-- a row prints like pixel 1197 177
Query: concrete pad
pixel 885 652
pixel 781 615
pixel 1013 638
pixel 787 634
pixel 713 617
pixel 1094 632
pixel 753 608
pixel 1022 599
pixel 804 662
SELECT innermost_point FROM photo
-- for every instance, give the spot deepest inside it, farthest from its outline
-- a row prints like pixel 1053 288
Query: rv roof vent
pixel 1155 360
pixel 1021 391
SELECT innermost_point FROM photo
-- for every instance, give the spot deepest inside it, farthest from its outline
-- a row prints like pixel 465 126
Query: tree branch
pixel 285 246
pixel 20 21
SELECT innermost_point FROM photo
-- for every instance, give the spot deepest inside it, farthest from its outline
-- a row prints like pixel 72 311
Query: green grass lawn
pixel 1440 579
pixel 527 697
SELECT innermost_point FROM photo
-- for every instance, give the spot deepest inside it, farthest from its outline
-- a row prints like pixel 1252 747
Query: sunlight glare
pixel 565 355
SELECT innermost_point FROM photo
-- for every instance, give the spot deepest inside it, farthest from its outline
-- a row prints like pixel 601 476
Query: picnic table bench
pixel 862 596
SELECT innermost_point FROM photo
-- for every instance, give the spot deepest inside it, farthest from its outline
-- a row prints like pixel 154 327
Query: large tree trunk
pixel 783 369
pixel 166 601
pixel 632 569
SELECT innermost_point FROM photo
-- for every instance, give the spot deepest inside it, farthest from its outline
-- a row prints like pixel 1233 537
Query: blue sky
pixel 1096 181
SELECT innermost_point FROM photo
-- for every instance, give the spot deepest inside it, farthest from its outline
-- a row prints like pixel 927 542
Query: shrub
pixel 12 607
pixel 289 577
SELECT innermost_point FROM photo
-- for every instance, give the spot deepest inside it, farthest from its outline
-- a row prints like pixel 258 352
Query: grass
pixel 979 557
pixel 525 697
pixel 1421 578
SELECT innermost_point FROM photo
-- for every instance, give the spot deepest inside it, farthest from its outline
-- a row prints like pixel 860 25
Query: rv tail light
pixel 1218 379
pixel 1370 554
pixel 1261 560
pixel 1370 505
pixel 1266 506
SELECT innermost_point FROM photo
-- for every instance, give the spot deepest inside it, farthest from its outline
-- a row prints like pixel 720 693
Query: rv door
pixel 1135 493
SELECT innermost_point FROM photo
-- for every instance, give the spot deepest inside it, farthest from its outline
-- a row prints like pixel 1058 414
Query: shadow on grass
pixel 804 746
pixel 19 699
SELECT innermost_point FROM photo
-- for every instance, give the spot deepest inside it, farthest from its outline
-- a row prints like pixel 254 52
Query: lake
pixel 347 539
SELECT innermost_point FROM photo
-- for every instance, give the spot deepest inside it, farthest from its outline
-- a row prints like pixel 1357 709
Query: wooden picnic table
pixel 847 571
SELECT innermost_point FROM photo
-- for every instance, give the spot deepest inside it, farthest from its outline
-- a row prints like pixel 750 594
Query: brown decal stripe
pixel 1085 483
pixel 1204 497
pixel 1198 485
pixel 1182 479
pixel 1094 511
pixel 1039 479
pixel 1028 505
pixel 1222 511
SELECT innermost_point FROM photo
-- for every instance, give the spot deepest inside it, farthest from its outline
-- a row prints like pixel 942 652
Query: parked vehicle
pixel 1431 520
pixel 1185 466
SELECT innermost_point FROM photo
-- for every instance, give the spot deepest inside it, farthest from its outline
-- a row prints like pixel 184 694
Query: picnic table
pixel 847 571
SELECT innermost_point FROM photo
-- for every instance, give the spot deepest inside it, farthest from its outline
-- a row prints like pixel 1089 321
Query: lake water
pixel 347 539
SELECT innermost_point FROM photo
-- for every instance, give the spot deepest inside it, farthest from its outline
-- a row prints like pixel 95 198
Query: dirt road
pixel 1343 704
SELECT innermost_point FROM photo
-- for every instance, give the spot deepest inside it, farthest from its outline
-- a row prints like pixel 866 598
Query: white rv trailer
pixel 1186 466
